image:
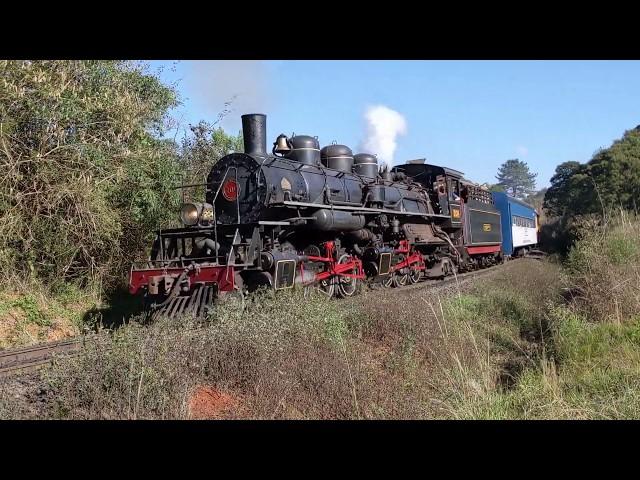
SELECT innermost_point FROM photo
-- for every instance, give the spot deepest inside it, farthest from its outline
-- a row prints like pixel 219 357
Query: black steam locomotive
pixel 318 218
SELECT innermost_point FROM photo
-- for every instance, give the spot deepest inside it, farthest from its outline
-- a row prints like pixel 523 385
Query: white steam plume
pixel 383 126
pixel 243 83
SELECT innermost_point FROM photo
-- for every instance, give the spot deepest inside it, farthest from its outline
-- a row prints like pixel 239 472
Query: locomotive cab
pixel 472 222
pixel 443 185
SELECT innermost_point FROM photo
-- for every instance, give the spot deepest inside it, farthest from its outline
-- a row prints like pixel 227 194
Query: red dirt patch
pixel 209 403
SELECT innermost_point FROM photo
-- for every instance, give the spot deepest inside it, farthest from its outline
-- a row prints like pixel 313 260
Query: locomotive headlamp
pixel 190 213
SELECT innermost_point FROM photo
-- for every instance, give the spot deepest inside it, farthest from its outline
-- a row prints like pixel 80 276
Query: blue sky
pixel 469 115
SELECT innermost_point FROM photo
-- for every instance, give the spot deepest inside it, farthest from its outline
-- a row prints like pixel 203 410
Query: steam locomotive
pixel 318 218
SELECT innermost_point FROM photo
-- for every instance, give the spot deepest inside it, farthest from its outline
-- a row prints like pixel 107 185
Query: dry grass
pixel 278 357
pixel 505 347
pixel 409 354
pixel 605 269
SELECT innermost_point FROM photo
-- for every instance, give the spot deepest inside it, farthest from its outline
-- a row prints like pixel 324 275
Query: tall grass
pixel 281 356
pixel 588 364
pixel 388 354
pixel 605 268
pixel 530 341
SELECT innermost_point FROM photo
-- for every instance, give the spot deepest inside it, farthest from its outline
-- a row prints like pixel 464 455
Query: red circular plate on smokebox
pixel 230 190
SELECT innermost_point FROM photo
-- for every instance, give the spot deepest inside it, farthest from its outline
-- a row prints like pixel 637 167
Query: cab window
pixel 454 189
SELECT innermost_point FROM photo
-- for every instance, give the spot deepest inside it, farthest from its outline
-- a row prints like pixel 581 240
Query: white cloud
pixel 522 150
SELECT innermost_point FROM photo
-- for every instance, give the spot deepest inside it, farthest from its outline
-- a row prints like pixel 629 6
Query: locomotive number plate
pixel 230 190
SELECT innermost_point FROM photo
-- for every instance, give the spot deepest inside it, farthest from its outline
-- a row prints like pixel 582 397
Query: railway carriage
pixel 519 225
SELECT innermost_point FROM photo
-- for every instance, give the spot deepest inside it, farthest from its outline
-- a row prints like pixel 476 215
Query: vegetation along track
pixel 25 359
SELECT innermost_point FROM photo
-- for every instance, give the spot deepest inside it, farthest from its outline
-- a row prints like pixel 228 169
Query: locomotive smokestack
pixel 254 132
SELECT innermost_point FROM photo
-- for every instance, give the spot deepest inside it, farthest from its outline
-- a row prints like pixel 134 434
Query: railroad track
pixel 30 358
pixel 26 359
pixel 468 275
pixel 452 279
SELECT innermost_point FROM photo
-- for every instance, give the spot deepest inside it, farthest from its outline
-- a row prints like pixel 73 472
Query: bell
pixel 282 144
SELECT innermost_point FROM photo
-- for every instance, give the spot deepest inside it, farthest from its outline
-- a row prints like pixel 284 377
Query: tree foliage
pixel 536 198
pixel 201 149
pixel 516 179
pixel 563 195
pixel 84 175
pixel 496 187
pixel 616 175
pixel 610 180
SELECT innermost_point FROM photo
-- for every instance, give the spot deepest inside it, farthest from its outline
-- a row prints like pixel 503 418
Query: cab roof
pixel 434 169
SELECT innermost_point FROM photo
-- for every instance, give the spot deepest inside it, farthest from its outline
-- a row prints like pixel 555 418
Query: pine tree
pixel 517 180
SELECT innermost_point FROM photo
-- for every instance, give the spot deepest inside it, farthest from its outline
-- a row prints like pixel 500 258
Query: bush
pixel 85 177
pixel 282 356
pixel 604 266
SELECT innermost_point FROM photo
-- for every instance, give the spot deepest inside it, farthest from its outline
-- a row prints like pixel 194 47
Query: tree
pixel 615 175
pixel 515 177
pixel 202 149
pixel 563 195
pixel 536 200
pixel 85 175
pixel 611 179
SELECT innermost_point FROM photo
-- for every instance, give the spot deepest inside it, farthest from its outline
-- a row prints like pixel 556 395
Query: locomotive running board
pixel 361 209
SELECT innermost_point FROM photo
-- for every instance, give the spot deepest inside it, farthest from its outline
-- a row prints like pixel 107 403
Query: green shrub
pixel 29 305
pixel 604 265
pixel 85 177
pixel 268 347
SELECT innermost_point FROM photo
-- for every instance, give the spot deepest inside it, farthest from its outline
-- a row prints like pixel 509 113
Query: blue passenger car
pixel 519 224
